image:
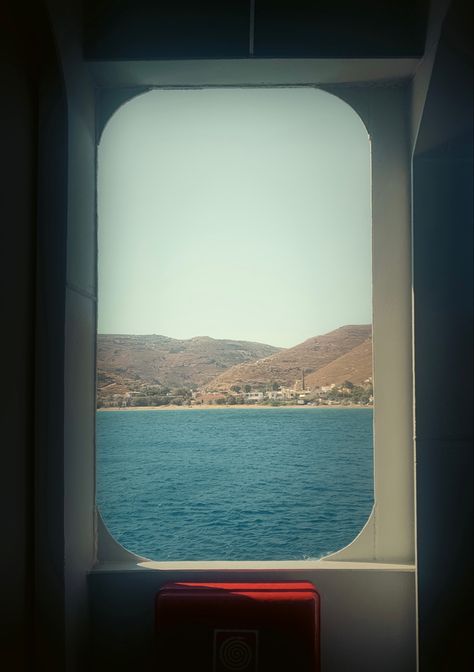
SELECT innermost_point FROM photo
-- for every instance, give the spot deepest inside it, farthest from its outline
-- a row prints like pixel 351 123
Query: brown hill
pixel 125 362
pixel 286 366
pixel 355 366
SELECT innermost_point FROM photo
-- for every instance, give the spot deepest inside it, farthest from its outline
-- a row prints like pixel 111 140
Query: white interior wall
pixel 79 336
pixel 367 613
pixel 389 535
pixel 376 604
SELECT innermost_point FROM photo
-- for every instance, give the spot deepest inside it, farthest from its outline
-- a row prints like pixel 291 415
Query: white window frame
pixel 389 535
pixel 368 590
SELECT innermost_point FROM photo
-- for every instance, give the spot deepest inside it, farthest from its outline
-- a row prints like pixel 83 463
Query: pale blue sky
pixel 234 213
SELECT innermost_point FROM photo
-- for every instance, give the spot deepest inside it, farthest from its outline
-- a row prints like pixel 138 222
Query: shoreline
pixel 216 407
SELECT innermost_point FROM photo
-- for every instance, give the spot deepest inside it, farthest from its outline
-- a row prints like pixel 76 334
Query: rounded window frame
pixel 389 534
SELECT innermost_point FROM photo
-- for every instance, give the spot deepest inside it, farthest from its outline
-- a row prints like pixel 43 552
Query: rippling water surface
pixel 235 484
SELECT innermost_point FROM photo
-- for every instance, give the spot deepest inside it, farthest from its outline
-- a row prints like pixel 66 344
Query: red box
pixel 238 627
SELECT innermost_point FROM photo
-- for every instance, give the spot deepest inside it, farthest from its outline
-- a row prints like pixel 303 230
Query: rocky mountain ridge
pixel 125 361
pixel 160 367
pixel 312 356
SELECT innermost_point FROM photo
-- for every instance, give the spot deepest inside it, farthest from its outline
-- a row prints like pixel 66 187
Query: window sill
pixel 215 566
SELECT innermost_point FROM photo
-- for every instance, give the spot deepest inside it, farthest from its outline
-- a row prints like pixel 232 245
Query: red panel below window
pixel 238 627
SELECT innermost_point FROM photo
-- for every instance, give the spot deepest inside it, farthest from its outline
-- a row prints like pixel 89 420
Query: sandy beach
pixel 215 407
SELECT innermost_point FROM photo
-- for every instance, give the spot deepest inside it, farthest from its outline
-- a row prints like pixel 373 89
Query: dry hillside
pixel 285 367
pixel 355 366
pixel 124 361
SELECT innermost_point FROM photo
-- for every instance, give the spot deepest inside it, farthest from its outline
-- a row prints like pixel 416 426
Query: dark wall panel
pixel 17 271
pixel 147 29
pixel 143 29
pixel 443 324
pixel 340 28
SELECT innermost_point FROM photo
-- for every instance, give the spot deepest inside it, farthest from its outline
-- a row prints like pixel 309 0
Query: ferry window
pixel 234 346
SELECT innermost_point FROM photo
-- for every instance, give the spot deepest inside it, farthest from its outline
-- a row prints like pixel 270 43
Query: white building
pixel 254 396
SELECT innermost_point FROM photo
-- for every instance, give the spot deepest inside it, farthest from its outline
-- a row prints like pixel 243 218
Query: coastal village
pixel 346 394
pixel 334 369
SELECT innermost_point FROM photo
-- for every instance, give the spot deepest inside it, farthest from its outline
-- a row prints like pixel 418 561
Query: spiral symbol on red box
pixel 235 654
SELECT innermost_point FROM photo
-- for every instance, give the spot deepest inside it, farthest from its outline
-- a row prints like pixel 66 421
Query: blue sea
pixel 235 484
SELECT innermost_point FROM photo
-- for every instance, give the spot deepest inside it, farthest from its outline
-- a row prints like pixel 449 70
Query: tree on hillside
pixel 183 392
pixel 248 388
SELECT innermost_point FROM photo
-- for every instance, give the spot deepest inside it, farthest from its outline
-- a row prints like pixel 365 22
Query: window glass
pixel 234 384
